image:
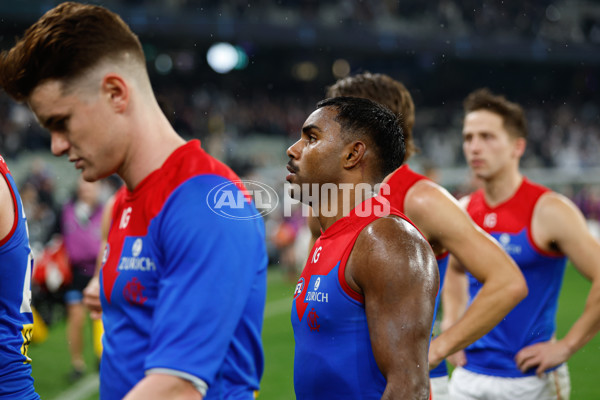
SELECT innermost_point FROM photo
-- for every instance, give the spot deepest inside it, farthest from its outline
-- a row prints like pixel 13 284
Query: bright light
pixel 340 68
pixel 222 57
pixel 163 63
pixel 305 71
pixel 242 58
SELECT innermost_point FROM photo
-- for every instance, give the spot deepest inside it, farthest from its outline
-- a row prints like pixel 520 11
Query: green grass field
pixel 51 361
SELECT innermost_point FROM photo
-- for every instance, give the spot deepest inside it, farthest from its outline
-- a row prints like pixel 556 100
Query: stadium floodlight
pixel 242 58
pixel 222 57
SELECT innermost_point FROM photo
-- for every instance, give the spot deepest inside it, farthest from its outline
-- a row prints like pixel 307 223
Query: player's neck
pixel 333 209
pixel 153 140
pixel 502 187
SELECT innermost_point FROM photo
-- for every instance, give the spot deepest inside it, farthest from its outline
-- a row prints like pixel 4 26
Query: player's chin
pixel 478 170
pixel 89 175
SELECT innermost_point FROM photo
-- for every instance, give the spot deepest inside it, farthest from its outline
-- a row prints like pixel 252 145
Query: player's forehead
pixel 323 120
pixel 479 121
pixel 48 100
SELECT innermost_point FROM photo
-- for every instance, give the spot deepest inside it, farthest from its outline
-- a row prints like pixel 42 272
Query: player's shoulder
pixel 426 197
pixel 557 219
pixel 464 201
pixel 553 205
pixel 216 200
pixel 7 208
pixel 388 245
pixel 390 232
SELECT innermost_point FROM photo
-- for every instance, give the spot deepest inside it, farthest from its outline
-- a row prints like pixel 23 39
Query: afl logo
pixel 226 199
pixel 105 254
pixel 136 249
pixel 299 288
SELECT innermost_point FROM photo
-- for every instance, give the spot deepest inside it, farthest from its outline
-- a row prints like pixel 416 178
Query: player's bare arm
pixel 559 226
pixel 7 211
pixel 447 227
pixel 455 298
pixel 393 266
pixel 161 386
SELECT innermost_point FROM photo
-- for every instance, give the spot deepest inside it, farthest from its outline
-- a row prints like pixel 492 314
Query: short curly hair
pixel 384 90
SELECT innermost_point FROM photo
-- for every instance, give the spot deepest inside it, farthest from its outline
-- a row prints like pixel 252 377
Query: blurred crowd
pixel 564 136
pixel 552 20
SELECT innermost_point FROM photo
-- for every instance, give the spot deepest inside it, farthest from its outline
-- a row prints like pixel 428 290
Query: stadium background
pixel 543 54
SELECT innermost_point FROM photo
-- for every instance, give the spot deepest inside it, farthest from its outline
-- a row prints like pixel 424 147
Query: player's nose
pixel 58 143
pixel 294 150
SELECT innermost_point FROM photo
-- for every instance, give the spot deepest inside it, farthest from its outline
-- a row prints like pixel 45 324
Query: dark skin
pixel 391 264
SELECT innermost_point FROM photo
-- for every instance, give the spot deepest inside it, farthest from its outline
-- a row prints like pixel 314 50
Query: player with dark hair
pixel 364 303
pixel 447 228
pixel 540 229
pixel 182 287
pixel 16 317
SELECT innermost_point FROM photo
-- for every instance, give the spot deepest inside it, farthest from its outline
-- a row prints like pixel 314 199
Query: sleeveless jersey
pixel 183 282
pixel 16 318
pixel 333 355
pixel 399 184
pixel 533 320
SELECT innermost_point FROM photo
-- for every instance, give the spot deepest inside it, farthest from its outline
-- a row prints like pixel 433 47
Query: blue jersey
pixel 333 355
pixel 16 319
pixel 400 183
pixel 442 261
pixel 533 320
pixel 183 287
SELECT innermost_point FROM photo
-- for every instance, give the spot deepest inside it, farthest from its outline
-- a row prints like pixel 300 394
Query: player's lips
pixel 78 162
pixel 477 163
pixel 290 167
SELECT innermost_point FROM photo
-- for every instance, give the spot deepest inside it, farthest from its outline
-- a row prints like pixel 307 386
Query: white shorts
pixel 439 388
pixel 467 385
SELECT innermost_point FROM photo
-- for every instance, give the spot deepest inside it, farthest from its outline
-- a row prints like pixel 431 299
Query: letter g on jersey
pixel 317 254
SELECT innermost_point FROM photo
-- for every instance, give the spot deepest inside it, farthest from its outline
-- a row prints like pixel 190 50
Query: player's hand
pixel 458 359
pixel 544 356
pixel 91 298
pixel 434 356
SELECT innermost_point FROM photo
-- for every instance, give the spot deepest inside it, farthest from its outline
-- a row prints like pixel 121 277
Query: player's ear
pixel 354 153
pixel 116 90
pixel 520 145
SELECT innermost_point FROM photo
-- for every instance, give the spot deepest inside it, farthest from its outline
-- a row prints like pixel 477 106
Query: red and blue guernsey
pixel 333 355
pixel 183 286
pixel 16 318
pixel 399 184
pixel 533 320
